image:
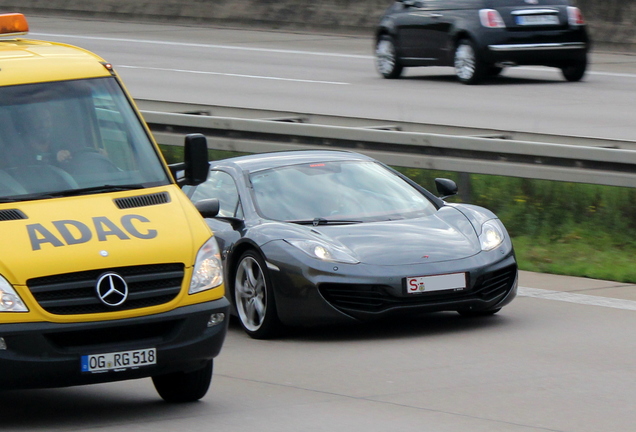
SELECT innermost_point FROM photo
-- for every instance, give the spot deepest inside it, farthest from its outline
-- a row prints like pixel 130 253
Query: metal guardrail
pixel 449 148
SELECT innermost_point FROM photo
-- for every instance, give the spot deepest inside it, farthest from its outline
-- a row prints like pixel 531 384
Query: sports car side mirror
pixel 208 208
pixel 446 187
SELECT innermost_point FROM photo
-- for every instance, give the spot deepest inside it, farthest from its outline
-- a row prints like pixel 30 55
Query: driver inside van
pixel 35 130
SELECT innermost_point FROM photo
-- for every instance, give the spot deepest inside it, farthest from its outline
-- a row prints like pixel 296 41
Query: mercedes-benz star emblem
pixel 111 289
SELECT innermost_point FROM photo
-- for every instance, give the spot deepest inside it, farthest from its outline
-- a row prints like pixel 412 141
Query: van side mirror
pixel 446 187
pixel 195 166
pixel 196 159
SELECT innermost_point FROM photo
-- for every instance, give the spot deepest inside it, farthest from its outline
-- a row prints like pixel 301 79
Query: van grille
pixel 12 214
pixel 75 293
pixel 378 298
pixel 142 200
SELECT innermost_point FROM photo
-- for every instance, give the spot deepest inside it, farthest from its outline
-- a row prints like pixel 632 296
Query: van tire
pixel 182 387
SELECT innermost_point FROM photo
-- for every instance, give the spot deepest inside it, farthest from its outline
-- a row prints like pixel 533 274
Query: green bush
pixel 563 228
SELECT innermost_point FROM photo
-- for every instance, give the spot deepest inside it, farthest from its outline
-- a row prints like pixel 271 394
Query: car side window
pixel 220 185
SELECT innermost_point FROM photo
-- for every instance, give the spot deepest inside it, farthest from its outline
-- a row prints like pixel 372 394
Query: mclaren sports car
pixel 316 237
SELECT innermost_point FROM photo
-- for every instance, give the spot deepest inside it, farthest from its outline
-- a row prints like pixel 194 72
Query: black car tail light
pixel 491 18
pixel 575 17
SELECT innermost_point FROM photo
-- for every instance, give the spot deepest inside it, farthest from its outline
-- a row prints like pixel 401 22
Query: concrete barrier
pixel 611 22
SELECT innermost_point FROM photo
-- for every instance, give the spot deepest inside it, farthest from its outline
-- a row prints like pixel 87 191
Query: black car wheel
pixel 575 71
pixel 386 59
pixel 494 71
pixel 254 298
pixel 468 68
pixel 184 386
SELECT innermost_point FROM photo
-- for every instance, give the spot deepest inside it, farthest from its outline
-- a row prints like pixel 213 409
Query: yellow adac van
pixel 107 271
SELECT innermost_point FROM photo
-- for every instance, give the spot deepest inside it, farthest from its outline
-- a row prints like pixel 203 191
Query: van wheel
pixel 468 67
pixel 574 71
pixel 386 59
pixel 184 386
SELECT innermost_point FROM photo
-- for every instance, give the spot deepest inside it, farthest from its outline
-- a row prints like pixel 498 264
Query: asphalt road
pixel 559 358
pixel 335 75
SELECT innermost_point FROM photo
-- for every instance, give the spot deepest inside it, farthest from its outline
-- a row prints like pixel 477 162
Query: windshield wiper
pixel 84 191
pixel 322 221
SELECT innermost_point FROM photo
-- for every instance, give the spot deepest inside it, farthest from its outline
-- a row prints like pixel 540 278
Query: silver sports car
pixel 317 237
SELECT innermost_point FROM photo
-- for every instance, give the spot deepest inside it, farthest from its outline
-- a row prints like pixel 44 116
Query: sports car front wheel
pixel 254 298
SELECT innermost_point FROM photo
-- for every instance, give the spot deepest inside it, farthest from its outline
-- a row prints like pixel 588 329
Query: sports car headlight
pixel 208 269
pixel 10 301
pixel 491 235
pixel 323 251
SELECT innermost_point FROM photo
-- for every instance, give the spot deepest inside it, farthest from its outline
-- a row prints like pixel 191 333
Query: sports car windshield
pixel 336 192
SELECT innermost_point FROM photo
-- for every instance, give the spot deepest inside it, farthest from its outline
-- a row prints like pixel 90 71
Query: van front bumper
pixel 40 355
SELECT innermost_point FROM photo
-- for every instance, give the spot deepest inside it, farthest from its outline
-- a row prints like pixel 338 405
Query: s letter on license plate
pixel 422 284
pixel 119 361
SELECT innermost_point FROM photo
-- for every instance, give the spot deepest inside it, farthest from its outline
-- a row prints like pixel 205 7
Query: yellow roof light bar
pixel 13 24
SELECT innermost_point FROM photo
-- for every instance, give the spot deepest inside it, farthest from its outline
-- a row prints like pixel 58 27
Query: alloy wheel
pixel 250 291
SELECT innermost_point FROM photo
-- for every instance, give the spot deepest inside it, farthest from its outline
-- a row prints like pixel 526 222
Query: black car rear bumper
pixel 40 355
pixel 537 47
pixel 540 48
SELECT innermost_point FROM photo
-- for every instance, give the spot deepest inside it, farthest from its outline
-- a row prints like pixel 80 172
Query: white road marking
pixel 588 72
pixel 582 299
pixel 200 45
pixel 230 75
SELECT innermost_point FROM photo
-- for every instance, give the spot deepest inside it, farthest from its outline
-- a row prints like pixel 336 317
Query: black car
pixel 482 37
pixel 315 237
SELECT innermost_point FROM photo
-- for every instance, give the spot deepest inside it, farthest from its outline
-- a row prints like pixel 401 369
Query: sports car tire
pixel 468 67
pixel 254 297
pixel 386 59
pixel 184 386
pixel 471 313
pixel 575 71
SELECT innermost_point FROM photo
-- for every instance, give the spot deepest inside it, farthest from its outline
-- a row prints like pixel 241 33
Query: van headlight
pixel 10 301
pixel 208 269
pixel 491 235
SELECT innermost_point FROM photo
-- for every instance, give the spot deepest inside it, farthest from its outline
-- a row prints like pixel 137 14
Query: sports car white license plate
pixel 537 20
pixel 421 284
pixel 119 360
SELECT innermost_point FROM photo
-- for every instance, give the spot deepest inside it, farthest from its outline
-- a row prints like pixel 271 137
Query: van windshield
pixel 72 137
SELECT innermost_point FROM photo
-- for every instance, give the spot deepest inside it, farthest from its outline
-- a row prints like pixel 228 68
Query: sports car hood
pixel 443 236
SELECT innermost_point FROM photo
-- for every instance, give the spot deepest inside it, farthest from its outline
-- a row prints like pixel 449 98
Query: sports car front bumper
pixel 312 292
